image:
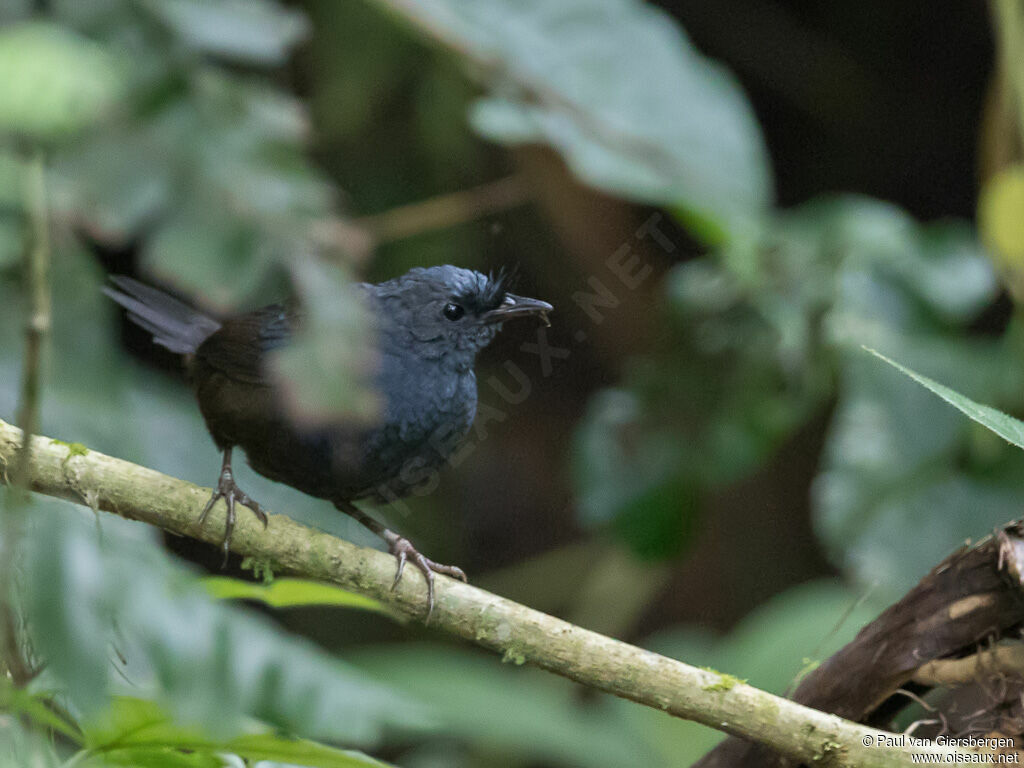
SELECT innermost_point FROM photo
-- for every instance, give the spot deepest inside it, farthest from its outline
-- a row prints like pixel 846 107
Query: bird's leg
pixel 230 492
pixel 403 550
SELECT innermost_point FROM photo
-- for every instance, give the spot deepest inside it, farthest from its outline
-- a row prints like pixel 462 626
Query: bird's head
pixel 450 311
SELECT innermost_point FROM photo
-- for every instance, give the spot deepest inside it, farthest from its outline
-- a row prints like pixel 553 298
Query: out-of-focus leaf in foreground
pixel 616 87
pixel 511 709
pixel 20 746
pixel 289 593
pixel 94 586
pixel 54 82
pixel 205 171
pixel 251 31
pixel 325 371
pixel 135 732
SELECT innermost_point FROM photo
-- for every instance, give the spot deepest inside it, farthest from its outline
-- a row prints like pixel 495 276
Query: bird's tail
pixel 174 325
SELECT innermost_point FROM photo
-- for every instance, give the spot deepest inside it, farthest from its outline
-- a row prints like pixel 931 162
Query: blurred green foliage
pixel 88 589
pixel 173 126
pixel 577 75
pixel 764 338
pixel 57 82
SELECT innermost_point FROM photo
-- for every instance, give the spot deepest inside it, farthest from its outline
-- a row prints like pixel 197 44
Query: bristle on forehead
pixel 486 293
pixel 474 290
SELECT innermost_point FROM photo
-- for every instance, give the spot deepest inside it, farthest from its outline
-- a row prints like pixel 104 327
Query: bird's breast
pixel 432 408
pixel 421 429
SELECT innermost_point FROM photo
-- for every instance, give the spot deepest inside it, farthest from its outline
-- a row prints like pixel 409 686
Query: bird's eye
pixel 453 311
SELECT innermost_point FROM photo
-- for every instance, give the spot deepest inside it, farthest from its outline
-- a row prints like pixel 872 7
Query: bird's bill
pixel 519 306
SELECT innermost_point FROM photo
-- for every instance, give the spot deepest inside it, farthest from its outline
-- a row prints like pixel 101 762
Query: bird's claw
pixel 403 550
pixel 227 489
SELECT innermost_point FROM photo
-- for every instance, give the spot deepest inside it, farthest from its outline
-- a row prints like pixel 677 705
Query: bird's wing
pixel 238 348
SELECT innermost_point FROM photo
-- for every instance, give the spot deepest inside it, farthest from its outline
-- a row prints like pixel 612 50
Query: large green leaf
pixel 212 166
pixel 508 709
pixel 54 82
pixel 209 254
pixel 134 732
pixel 252 31
pixel 96 585
pixel 320 378
pixel 617 88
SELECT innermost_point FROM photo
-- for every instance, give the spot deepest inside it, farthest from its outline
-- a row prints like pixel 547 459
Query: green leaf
pixel 617 88
pixel 900 465
pixel 213 665
pixel 208 254
pixel 1007 427
pixel 630 475
pixel 33 706
pixel 289 593
pixel 251 31
pixel 612 469
pixel 320 378
pixel 266 746
pixel 137 732
pixel 55 83
pixel 507 708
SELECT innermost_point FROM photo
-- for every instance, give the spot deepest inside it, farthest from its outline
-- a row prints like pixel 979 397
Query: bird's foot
pixel 227 489
pixel 403 550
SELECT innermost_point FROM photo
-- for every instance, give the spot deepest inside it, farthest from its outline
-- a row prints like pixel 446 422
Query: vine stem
pixel 37 329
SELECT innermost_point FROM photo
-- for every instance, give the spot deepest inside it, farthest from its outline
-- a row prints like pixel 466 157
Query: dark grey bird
pixel 430 325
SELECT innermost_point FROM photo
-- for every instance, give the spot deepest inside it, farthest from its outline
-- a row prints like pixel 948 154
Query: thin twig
pixel 37 324
pixel 37 327
pixel 445 210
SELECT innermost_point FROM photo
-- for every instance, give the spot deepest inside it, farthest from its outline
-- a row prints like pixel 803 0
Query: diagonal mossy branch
pixel 519 633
